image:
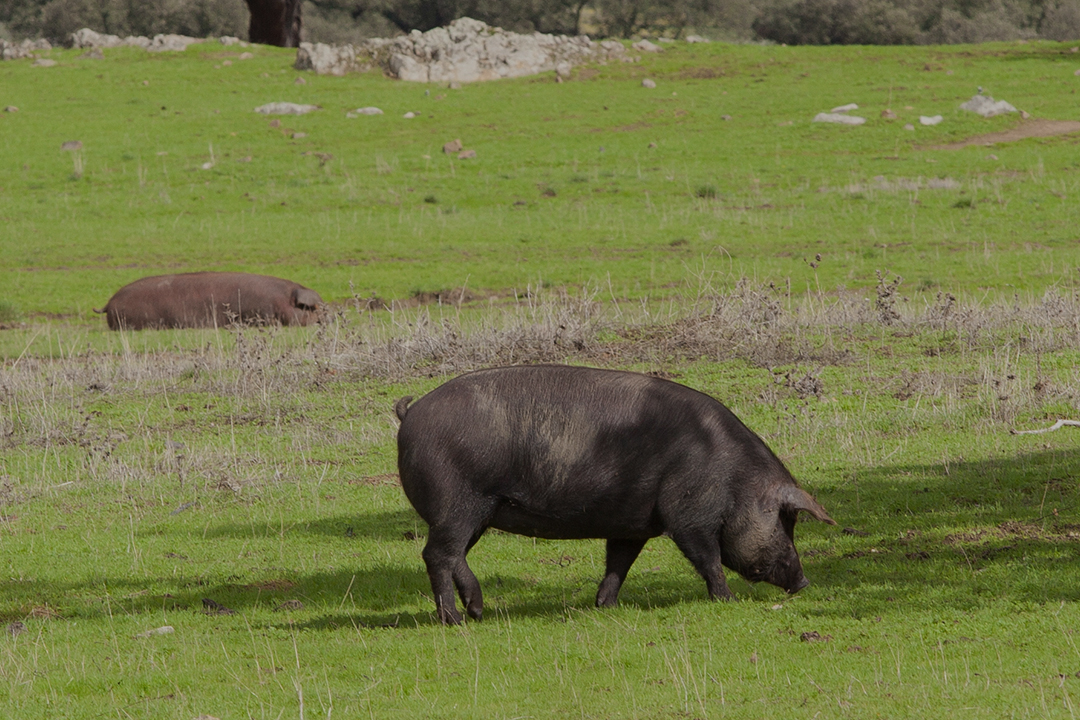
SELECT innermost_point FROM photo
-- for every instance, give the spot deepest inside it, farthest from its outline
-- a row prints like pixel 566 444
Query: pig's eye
pixel 755 572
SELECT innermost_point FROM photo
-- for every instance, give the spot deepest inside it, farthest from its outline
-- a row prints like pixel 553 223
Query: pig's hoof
pixel 475 613
pixel 449 617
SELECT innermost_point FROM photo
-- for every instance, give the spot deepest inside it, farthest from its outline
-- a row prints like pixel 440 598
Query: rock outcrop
pixel 24 49
pixel 87 38
pixel 466 50
pixel 332 59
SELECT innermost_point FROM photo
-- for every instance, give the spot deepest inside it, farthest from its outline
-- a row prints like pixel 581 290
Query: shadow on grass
pixel 386 526
pixel 956 536
pixel 955 533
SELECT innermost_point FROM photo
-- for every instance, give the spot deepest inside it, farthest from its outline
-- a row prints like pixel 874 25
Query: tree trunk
pixel 274 22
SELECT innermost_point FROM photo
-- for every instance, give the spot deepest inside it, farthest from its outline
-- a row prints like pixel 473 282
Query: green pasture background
pixel 593 181
pixel 141 473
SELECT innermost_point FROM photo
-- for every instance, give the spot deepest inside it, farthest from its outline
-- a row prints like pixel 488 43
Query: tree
pixel 549 16
pixel 274 22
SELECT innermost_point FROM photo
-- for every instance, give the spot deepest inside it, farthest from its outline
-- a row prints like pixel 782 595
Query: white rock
pixel 171 43
pixel 43 62
pixel 932 120
pixel 163 630
pixel 986 106
pixel 647 83
pixel 909 126
pixel 845 108
pixel 839 118
pixel 696 39
pixel 230 40
pixel 406 67
pixel 409 115
pixel 285 108
pixel 368 111
pixel 646 46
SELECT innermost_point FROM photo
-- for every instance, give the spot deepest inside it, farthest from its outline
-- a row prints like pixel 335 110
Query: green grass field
pixel 565 189
pixel 601 223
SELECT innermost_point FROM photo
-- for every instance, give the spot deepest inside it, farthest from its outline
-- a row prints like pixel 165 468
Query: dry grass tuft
pixel 265 377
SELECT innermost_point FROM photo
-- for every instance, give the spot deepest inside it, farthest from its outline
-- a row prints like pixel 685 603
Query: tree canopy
pixel 783 21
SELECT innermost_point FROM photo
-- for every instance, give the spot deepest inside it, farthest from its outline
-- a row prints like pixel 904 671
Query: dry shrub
pixel 1061 21
pixel 759 324
pixel 1049 324
pixel 540 328
pixel 57 19
pixel 998 21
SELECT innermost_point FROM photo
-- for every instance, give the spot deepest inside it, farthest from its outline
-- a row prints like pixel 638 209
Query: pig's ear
pixel 307 299
pixel 796 499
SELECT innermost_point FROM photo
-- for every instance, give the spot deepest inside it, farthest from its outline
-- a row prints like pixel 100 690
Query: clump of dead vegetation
pixel 762 324
pixel 962 350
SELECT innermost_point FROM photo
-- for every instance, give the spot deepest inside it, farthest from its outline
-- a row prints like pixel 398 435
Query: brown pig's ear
pixel 796 499
pixel 304 298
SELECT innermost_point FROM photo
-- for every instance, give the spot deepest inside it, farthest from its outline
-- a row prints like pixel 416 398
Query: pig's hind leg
pixel 467 584
pixel 444 556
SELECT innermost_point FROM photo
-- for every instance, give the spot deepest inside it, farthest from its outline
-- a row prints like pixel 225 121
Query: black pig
pixel 571 452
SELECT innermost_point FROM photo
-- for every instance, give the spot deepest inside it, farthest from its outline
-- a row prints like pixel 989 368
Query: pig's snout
pixel 799 585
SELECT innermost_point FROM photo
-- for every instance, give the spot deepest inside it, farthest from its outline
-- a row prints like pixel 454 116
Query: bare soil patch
pixel 1026 129
pixel 275 585
pixel 451 296
pixel 701 73
pixel 623 128
pixel 384 479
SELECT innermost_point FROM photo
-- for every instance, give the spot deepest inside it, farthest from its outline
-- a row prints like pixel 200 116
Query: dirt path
pixel 1026 129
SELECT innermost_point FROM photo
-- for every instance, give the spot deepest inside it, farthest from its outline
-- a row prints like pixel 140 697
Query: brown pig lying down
pixel 210 299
